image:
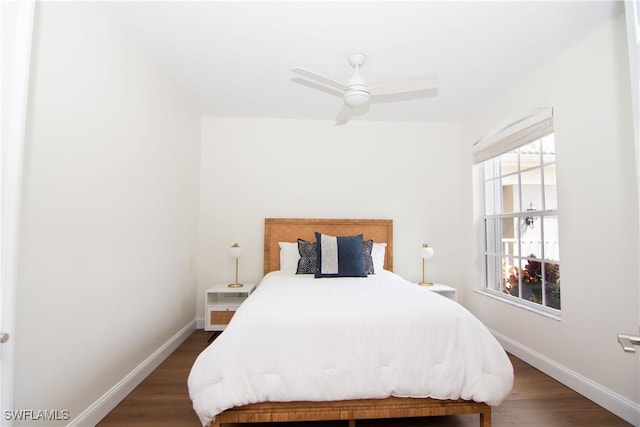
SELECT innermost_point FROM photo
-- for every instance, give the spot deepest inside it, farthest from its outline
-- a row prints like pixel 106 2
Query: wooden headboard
pixel 290 229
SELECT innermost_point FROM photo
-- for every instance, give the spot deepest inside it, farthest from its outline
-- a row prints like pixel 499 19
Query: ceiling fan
pixel 357 95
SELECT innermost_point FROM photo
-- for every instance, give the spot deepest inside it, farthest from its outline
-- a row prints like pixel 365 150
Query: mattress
pixel 298 338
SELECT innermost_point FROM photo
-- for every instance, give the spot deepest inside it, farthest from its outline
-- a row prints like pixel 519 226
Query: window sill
pixel 525 305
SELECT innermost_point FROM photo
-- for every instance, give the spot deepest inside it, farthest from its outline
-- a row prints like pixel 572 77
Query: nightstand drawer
pixel 221 317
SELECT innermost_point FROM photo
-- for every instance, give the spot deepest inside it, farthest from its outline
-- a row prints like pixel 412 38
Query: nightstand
pixel 444 290
pixel 221 303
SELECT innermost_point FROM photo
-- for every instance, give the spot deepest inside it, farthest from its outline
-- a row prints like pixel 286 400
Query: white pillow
pixel 289 256
pixel 377 254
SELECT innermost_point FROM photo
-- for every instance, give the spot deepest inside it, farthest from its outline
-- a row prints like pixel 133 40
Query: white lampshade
pixel 235 251
pixel 426 251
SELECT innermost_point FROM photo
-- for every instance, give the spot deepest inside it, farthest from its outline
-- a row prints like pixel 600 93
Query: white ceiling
pixel 234 57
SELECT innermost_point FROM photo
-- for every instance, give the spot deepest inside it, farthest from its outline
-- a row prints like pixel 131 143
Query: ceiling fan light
pixel 356 98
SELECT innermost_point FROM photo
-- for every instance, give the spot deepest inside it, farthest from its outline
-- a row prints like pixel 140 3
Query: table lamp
pixel 426 252
pixel 235 251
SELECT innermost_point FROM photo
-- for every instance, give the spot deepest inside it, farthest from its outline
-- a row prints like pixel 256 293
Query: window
pixel 516 179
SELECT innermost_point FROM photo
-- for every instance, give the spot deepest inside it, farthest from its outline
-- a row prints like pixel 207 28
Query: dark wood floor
pixel 537 400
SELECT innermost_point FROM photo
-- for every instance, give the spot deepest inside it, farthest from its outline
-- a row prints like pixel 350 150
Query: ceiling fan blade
pixel 317 86
pixel 404 96
pixel 344 115
pixel 326 81
pixel 403 87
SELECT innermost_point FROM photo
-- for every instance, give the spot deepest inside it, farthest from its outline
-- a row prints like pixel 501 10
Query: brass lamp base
pixel 235 285
pixel 425 283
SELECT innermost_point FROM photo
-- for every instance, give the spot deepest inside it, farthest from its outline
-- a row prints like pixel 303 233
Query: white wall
pixel 257 168
pixel 588 87
pixel 109 216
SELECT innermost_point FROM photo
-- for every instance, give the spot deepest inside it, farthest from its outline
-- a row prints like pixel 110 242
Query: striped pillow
pixel 339 256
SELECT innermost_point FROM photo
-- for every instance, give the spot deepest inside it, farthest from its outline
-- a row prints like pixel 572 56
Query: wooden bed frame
pixel 380 231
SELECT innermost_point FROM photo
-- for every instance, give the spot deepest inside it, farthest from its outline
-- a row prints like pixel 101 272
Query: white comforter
pixel 297 338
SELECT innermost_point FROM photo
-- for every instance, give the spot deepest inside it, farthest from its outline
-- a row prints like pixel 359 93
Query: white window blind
pixel 514 134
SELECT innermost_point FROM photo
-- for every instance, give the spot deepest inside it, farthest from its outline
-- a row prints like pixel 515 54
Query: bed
pixel 307 349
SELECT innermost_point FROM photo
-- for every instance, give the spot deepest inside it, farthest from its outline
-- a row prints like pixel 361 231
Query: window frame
pixel 512 137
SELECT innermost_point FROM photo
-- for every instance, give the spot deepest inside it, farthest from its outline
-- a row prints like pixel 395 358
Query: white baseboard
pixel 200 322
pixel 611 401
pixel 101 407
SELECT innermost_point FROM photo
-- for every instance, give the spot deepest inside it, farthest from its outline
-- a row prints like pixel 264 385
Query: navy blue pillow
pixel 339 256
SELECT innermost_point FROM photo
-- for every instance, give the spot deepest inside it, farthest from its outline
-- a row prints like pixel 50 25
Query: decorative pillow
pixel 289 256
pixel 339 256
pixel 308 257
pixel 377 254
pixel 367 247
